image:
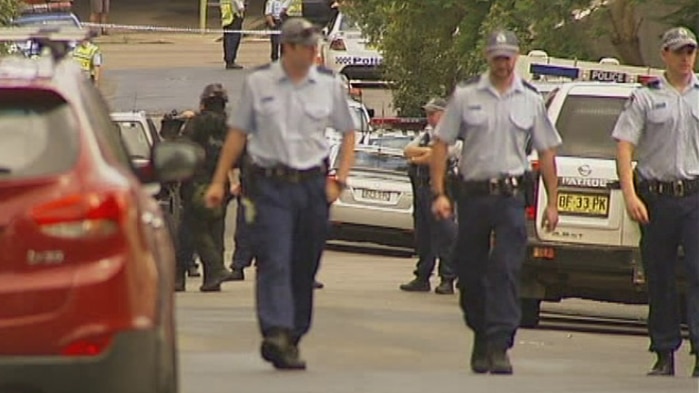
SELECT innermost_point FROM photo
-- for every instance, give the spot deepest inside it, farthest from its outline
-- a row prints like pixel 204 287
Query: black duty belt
pixel 505 186
pixel 677 188
pixel 289 174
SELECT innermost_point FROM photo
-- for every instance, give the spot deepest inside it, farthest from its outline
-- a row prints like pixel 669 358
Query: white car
pixel 377 205
pixel 345 50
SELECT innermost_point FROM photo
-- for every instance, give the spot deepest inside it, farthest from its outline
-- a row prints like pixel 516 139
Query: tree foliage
pixel 8 10
pixel 430 45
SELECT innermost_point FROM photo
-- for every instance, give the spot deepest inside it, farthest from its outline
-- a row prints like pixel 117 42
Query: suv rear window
pixel 38 134
pixel 134 136
pixel 586 123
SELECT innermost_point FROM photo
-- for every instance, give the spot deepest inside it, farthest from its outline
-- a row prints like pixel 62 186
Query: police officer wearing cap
pixel 435 237
pixel 497 115
pixel 659 128
pixel 283 112
pixel 204 224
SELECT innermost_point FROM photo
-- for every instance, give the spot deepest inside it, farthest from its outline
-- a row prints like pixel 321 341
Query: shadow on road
pixel 369 249
pixel 595 325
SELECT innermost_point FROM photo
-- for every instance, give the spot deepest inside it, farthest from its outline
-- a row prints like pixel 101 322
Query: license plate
pixel 581 204
pixel 383 196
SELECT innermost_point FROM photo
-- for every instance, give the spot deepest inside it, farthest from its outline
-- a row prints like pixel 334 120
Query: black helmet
pixel 214 90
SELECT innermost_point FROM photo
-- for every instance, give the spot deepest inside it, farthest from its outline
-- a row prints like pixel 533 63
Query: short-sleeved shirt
pixel 274 8
pixel 454 151
pixel 495 128
pixel 663 124
pixel 286 122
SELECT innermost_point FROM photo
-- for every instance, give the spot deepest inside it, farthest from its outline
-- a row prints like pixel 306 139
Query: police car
pixel 39 14
pixel 345 50
pixel 593 252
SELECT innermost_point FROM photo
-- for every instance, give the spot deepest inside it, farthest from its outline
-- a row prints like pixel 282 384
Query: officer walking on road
pixel 283 112
pixel 205 224
pixel 435 236
pixel 660 129
pixel 89 57
pixel 273 17
pixel 496 115
pixel 232 15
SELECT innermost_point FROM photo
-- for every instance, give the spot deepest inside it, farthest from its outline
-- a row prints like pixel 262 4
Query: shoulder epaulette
pixel 530 86
pixel 325 70
pixel 653 83
pixel 470 81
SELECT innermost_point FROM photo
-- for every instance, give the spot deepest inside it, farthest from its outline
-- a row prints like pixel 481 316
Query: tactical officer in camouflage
pixel 206 225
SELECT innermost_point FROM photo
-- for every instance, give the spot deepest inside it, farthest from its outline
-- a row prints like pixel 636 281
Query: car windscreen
pixel 134 136
pixel 39 135
pixel 586 123
pixel 369 160
pixel 391 142
pixel 347 24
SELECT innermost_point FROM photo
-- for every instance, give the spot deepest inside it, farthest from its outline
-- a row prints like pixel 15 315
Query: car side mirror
pixel 371 112
pixel 174 161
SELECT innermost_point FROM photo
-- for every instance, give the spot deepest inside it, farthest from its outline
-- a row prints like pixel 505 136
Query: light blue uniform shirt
pixel 274 8
pixel 495 128
pixel 285 122
pixel 663 124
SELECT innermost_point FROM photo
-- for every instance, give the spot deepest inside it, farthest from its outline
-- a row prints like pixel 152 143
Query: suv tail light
pixel 82 216
pixel 531 210
pixel 338 44
pixel 88 346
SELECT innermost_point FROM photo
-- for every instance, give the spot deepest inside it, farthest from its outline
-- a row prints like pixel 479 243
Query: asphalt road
pixel 368 337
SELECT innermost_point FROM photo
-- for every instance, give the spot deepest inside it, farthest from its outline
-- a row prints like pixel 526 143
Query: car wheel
pixel 531 309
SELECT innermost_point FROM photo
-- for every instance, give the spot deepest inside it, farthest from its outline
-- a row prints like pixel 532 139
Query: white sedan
pixel 345 50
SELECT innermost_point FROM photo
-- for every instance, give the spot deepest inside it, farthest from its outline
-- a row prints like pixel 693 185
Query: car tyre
pixel 531 310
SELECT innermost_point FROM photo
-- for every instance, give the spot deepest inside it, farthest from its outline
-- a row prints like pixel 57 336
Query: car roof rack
pixel 56 38
pixel 538 66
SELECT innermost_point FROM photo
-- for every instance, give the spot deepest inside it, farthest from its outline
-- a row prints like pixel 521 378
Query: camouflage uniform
pixel 206 225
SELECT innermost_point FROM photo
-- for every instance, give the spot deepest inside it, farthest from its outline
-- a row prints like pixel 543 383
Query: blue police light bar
pixel 549 70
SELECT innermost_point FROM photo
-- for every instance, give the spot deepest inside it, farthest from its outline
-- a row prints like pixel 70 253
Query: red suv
pixel 86 260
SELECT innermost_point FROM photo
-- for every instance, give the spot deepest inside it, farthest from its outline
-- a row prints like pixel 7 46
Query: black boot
pixel 417 285
pixel 695 373
pixel 499 361
pixel 236 274
pixel 445 287
pixel 665 365
pixel 279 349
pixel 479 356
pixel 212 282
pixel 192 271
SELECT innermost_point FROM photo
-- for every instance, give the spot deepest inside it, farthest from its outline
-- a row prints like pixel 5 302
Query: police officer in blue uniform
pixel 660 129
pixel 282 114
pixel 496 115
pixel 435 237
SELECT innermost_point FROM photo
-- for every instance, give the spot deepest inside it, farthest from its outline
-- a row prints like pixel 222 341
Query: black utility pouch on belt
pixel 531 182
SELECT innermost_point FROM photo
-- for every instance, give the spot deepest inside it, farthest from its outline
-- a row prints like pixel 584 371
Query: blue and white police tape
pixel 165 29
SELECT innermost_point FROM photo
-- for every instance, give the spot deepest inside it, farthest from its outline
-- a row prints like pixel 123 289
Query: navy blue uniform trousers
pixel 242 255
pixel 435 237
pixel 489 276
pixel 288 235
pixel 674 222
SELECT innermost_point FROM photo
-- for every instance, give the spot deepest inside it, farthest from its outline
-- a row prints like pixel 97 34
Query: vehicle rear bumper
pixel 394 237
pixel 128 366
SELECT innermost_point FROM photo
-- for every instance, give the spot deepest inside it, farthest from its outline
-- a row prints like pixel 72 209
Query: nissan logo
pixel 584 170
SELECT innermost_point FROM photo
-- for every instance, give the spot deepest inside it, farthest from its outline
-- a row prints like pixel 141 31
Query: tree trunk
pixel 624 29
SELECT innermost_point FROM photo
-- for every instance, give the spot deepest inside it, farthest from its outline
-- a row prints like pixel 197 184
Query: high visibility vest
pixel 227 13
pixel 295 8
pixel 84 55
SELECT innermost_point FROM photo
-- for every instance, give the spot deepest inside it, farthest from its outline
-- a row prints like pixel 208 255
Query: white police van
pixel 593 252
